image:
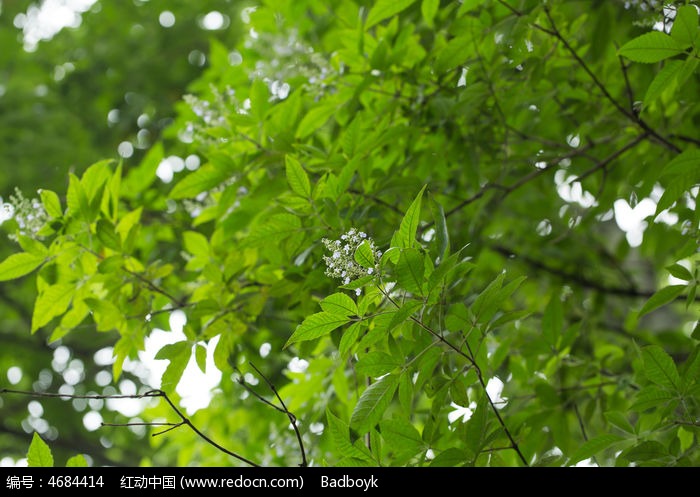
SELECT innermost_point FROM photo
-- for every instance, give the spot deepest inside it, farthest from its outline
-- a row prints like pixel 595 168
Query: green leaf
pixel 314 119
pixel 450 458
pixel 341 438
pixel 619 420
pixel 652 47
pixel 372 404
pixel 107 235
pixel 200 355
pixel 402 437
pixel 339 303
pixel 685 25
pixel 196 244
pixel 680 272
pixel 650 397
pixel 383 9
pixel 376 364
pixel 350 337
pixel 687 162
pixel 659 367
pixel 403 313
pixel 441 233
pixel 593 446
pixel 364 255
pixel 32 245
pixel 662 297
pixel 645 451
pixel 203 179
pixel 273 229
pixel 297 178
pixel 553 319
pixel 52 204
pixel 76 198
pixel 17 265
pixel 406 235
pixel 39 454
pixel 486 299
pixel 666 78
pixel 410 271
pixel 77 461
pixel 51 302
pixel 179 354
pixel 428 9
pixel 315 326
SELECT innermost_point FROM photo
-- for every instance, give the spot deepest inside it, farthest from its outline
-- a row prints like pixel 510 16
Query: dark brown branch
pixel 604 163
pixel 151 393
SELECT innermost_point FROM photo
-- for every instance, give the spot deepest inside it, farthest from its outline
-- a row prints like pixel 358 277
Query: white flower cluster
pixel 28 213
pixel 341 263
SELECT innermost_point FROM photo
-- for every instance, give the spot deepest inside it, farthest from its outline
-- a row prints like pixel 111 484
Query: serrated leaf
pixel 485 299
pixel 383 9
pixel 351 337
pixel 376 364
pixel 406 235
pixel 51 202
pixel 297 178
pixel 32 246
pixel 450 458
pixel 77 461
pixel 662 297
pixel 18 265
pixel 652 47
pixel 406 392
pixel 203 179
pixel 39 454
pixel 273 229
pixel 372 404
pixel 315 326
pixel 659 367
pixel 410 271
pixel 339 303
pixel 51 302
pixel 685 25
pixel 403 313
pixel 593 446
pixel 364 255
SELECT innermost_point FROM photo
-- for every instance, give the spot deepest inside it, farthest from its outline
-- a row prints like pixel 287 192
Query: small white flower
pixel 461 412
pixel 358 291
pixel 297 365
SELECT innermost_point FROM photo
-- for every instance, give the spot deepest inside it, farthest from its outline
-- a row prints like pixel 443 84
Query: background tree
pixel 446 233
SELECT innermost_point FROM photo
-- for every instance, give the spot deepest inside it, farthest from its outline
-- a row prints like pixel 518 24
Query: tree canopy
pixel 409 233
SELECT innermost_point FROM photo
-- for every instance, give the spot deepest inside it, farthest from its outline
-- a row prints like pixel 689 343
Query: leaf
pixel 442 235
pixel 32 245
pixel 659 367
pixel 645 451
pixel 364 255
pixel 341 438
pixel 107 235
pixel 77 461
pixel 203 179
pixel 593 446
pixel 52 204
pixel 200 355
pixel 297 178
pixel 314 119
pixel 662 297
pixel 410 271
pixel 650 397
pixel 406 235
pixel 196 243
pixel 179 354
pixel 553 319
pixel 372 404
pixel 666 78
pixel 39 454
pixel 402 437
pixel 685 25
pixel 51 302
pixel 17 265
pixel 450 458
pixel 651 47
pixel 376 364
pixel 617 419
pixel 350 337
pixel 403 313
pixel 383 9
pixel 273 229
pixel 339 303
pixel 680 272
pixel 428 9
pixel 315 326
